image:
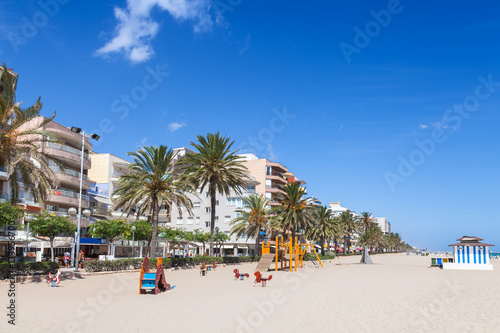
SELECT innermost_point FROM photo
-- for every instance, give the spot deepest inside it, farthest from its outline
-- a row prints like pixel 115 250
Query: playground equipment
pixel 203 269
pixel 289 254
pixel 54 280
pixel 153 280
pixel 241 276
pixel 259 278
pixel 214 265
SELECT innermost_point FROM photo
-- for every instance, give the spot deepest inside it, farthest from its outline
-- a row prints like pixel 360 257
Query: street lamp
pixel 133 231
pixel 217 230
pixel 28 218
pixel 89 136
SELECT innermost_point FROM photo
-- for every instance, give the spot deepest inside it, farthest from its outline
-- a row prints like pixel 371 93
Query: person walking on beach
pixel 81 258
pixel 66 259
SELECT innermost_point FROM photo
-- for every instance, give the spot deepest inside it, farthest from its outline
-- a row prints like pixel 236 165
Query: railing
pixel 68 172
pixel 29 202
pixel 71 194
pixel 67 149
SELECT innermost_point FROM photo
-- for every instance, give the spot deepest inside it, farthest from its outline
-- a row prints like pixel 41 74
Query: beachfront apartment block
pixel 272 176
pixel 225 210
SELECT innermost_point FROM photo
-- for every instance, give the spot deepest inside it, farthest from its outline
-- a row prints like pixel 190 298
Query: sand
pixel 398 293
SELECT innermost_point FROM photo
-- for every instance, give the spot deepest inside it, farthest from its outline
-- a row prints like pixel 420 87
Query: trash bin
pixel 433 262
pixel 440 262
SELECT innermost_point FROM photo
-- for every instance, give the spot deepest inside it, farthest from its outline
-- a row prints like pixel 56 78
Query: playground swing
pixel 289 255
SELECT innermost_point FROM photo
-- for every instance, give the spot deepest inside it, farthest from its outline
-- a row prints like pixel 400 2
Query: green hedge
pixel 125 264
pixel 8 269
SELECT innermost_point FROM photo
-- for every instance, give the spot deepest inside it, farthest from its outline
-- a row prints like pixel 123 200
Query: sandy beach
pixel 398 293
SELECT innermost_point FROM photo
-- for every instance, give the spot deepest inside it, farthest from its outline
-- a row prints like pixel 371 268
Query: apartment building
pixel 105 174
pixel 4 188
pixel 272 176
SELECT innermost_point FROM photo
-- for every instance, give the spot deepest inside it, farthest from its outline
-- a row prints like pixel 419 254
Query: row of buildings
pixel 98 176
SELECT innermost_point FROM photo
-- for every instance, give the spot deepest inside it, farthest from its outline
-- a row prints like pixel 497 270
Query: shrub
pixel 27 268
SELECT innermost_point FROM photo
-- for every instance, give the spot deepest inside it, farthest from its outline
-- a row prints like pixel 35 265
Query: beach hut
pixel 470 253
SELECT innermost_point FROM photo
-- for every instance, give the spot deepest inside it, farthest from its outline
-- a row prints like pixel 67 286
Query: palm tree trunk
pixel 336 244
pixel 212 215
pixel 154 221
pixel 257 245
pixel 52 249
pixel 322 246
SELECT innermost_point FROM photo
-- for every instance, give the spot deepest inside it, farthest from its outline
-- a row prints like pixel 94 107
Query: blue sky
pixel 339 92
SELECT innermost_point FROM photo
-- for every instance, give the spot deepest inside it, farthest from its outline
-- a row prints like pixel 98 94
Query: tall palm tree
pixel 338 231
pixel 295 212
pixel 21 135
pixel 152 182
pixel 215 166
pixel 322 229
pixel 350 224
pixel 372 237
pixel 253 218
pixel 366 220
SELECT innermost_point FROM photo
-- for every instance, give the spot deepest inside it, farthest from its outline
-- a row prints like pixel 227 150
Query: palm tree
pixel 217 167
pixel 152 183
pixel 253 218
pixel 366 220
pixel 322 229
pixel 372 237
pixel 21 135
pixel 338 231
pixel 295 213
pixel 350 224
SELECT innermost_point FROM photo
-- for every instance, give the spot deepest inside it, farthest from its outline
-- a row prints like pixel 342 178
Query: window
pixel 269 170
pixel 268 183
pixel 269 195
pixel 196 204
pixel 238 214
pixel 179 220
pixel 227 218
pixel 208 209
pixel 238 202
pixel 216 218
pixel 207 224
pixel 198 220
pixel 190 220
pixel 216 202
pixel 208 194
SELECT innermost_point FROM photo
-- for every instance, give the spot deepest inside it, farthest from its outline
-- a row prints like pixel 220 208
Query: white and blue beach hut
pixel 470 253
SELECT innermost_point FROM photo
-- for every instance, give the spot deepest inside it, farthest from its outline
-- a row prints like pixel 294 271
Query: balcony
pixel 276 176
pixel 67 198
pixel 71 177
pixel 67 154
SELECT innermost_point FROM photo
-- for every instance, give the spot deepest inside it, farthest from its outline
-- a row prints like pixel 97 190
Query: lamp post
pixel 133 231
pixel 28 218
pixel 89 136
pixel 217 230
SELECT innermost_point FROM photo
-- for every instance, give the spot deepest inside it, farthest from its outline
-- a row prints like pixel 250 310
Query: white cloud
pixel 440 124
pixel 136 28
pixel 175 126
pixel 423 126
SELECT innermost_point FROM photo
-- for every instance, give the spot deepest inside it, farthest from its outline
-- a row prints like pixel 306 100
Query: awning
pixel 103 200
pixel 58 242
